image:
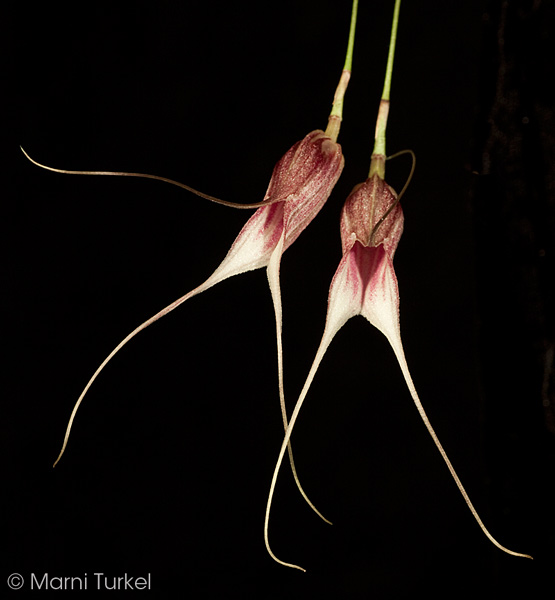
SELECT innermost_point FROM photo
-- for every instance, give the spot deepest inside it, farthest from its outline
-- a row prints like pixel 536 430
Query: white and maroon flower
pixel 301 182
pixel 365 284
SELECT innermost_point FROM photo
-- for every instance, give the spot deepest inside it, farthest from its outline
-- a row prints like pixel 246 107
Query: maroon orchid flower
pixel 301 183
pixel 365 282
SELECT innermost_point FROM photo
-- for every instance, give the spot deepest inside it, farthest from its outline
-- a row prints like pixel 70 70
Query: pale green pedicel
pixel 377 164
pixel 337 110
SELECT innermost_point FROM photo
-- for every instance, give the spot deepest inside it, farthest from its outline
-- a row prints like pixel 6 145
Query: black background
pixel 171 455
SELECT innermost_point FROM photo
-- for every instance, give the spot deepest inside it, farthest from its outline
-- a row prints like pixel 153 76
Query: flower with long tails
pixel 365 283
pixel 301 183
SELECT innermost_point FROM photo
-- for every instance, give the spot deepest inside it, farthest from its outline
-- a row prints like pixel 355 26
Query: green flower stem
pixel 377 163
pixel 334 122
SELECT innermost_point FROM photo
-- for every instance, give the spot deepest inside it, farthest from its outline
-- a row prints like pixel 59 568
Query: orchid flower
pixel 365 283
pixel 301 183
